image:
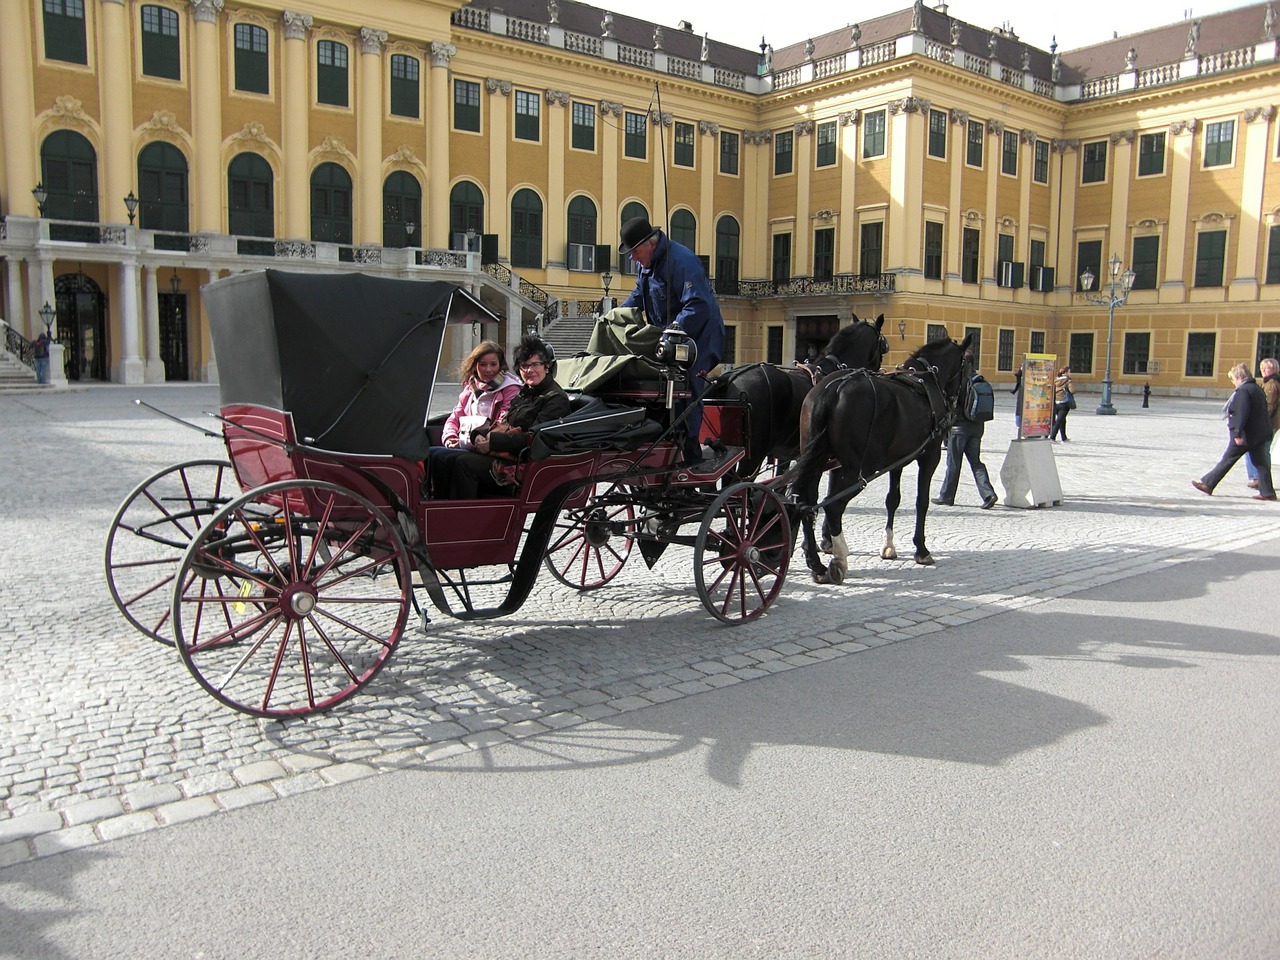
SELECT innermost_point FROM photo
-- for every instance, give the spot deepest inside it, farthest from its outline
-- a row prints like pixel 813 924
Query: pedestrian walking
pixel 40 352
pixel 1064 401
pixel 1016 390
pixel 1269 370
pixel 1250 431
pixel 965 443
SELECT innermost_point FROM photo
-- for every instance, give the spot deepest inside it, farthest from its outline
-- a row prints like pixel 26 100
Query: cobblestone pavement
pixel 103 733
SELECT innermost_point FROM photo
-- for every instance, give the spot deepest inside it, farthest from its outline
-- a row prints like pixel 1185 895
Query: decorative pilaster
pixel 369 137
pixel 17 90
pixel 436 216
pixel 296 127
pixel 206 114
pixel 116 96
pixel 131 369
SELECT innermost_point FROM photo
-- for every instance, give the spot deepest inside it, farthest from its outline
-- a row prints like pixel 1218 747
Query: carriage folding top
pixel 351 357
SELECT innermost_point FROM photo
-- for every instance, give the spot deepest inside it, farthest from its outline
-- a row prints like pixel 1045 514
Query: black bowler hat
pixel 635 232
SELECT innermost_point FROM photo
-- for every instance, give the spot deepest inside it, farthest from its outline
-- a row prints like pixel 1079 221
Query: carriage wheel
pixel 591 544
pixel 742 552
pixel 150 533
pixel 292 598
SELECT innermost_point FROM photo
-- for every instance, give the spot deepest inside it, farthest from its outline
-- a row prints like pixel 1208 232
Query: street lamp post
pixel 1116 295
pixel 47 313
pixel 606 303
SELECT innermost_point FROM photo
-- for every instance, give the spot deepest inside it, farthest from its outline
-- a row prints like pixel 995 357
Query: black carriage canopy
pixel 351 356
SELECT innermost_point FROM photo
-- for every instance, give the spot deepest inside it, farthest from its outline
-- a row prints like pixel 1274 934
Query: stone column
pixel 295 98
pixel 435 230
pixel 116 93
pixel 14 314
pixel 206 115
pixel 151 311
pixel 17 107
pixel 210 372
pixel 369 138
pixel 131 369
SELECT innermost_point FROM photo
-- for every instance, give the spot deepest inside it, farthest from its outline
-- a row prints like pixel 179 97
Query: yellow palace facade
pixel 951 177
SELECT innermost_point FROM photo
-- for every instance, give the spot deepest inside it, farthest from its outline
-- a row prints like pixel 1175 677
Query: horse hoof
pixel 819 577
pixel 888 553
pixel 835 572
pixel 925 560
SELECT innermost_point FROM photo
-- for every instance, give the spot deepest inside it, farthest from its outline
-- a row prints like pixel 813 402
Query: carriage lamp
pixel 47 314
pixel 606 278
pixel 409 228
pixel 902 329
pixel 174 283
pixel 471 239
pixel 1116 295
pixel 41 195
pixel 131 204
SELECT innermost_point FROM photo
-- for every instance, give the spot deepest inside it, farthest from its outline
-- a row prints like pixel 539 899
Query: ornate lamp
pixel 131 204
pixel 1116 295
pixel 41 195
pixel 902 329
pixel 47 313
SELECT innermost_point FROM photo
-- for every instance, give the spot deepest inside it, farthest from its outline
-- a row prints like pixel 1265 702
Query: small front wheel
pixel 591 543
pixel 292 598
pixel 742 552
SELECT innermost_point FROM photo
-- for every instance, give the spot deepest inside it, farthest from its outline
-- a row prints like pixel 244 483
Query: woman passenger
pixel 488 387
pixel 486 468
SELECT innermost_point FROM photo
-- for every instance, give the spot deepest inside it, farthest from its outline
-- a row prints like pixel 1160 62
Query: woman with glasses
pixel 489 466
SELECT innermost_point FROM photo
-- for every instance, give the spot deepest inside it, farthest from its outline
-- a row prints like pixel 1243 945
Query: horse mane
pixel 849 331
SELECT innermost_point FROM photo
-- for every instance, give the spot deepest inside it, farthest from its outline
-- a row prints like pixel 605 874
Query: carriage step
pixel 711 467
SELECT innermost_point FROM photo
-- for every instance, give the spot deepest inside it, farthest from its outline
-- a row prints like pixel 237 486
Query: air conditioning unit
pixel 1041 279
pixel 1010 273
pixel 582 256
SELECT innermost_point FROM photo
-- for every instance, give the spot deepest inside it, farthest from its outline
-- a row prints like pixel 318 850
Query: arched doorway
pixel 630 211
pixel 69 172
pixel 162 185
pixel 82 327
pixel 330 204
pixel 526 229
pixel 251 191
pixel 466 212
pixel 728 239
pixel 401 206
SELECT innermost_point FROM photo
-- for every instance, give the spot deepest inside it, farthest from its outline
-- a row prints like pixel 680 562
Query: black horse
pixel 873 423
pixel 776 394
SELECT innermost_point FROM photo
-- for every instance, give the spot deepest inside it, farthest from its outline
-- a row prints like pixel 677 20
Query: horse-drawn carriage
pixel 286 574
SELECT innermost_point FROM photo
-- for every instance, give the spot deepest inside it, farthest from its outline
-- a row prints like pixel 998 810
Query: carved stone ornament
pixel 657 38
pixel 708 128
pixel 606 26
pixel 69 107
pixel 371 40
pixel 804 128
pixel 1193 37
pixel 1179 127
pixel 1027 136
pixel 296 25
pixel 1214 219
pixel 332 146
pixel 1253 114
pixel 972 216
pixel 553 11
pixel 960 116
pixel 906 105
pixel 557 96
pixel 850 118
pixel 1269 22
pixel 664 118
pixel 995 128
pixel 808 49
pixel 253 132
pixel 610 108
pixel 955 33
pixel 1122 136
pixel 404 154
pixel 442 53
pixel 826 215
pixel 206 11
pixel 705 53
pixel 1146 224
pixel 1131 59
pixel 163 120
pixel 1026 61
pixel 991 48
pixel 1062 146
pixel 498 86
pixel 917 14
pixel 855 35
pixel 757 137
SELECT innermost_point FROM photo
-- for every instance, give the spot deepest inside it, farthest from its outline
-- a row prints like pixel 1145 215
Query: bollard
pixel 1146 396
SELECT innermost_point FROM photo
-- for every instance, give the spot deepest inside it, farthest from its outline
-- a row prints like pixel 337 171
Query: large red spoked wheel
pixel 591 544
pixel 152 530
pixel 741 555
pixel 292 598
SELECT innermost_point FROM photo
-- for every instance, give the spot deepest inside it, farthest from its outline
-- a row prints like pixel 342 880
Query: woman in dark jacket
pixel 540 400
pixel 1250 429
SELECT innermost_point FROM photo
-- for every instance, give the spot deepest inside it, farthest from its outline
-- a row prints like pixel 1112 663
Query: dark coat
pixel 546 401
pixel 694 306
pixel 1248 417
pixel 1271 387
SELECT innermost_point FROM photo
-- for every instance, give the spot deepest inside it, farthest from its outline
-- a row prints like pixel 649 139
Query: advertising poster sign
pixel 1037 395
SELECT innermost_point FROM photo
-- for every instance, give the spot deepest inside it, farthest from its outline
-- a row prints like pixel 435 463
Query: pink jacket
pixel 481 400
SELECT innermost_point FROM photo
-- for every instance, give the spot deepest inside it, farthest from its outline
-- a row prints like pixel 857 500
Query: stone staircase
pixel 16 376
pixel 570 335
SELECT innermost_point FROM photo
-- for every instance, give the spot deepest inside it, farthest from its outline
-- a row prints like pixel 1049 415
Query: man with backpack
pixel 977 405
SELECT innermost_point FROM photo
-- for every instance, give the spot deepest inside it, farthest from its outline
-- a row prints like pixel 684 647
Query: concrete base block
pixel 1030 475
pixel 131 372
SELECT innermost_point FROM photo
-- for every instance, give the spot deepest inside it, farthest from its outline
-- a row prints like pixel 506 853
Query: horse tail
pixel 817 446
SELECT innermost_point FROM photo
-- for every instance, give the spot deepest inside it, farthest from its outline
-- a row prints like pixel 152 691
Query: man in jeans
pixel 965 443
pixel 40 352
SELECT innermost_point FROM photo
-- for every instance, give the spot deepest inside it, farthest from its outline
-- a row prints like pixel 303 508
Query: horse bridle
pixel 819 367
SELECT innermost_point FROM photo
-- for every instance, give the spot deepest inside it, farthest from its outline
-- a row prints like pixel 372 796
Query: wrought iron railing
pixel 19 346
pixel 841 283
